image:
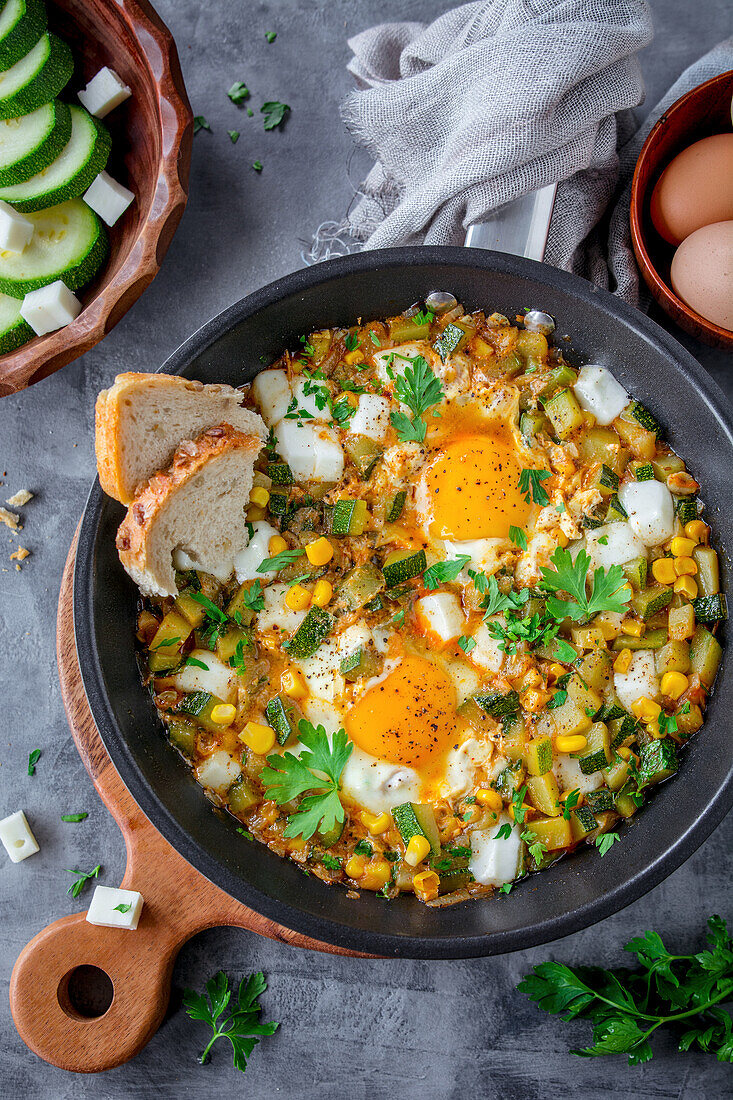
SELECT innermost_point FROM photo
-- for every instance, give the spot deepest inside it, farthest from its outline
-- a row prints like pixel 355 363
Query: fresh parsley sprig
pixel 444 571
pixel 288 777
pixel 496 601
pixel 285 557
pixel 84 877
pixel 419 389
pixel 627 1007
pixel 530 484
pixel 609 590
pixel 241 1027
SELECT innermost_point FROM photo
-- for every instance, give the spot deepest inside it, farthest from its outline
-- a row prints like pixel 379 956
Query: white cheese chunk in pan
pixel 440 616
pixel 271 391
pixel 50 307
pixel 15 230
pixel 371 417
pixel 494 862
pixel 312 451
pixel 108 198
pixel 621 545
pixel 276 613
pixel 599 393
pixel 310 402
pixel 17 837
pixel 248 561
pixel 650 508
pixel 218 771
pixel 113 908
pixel 569 776
pixel 104 92
pixel 216 677
pixel 640 681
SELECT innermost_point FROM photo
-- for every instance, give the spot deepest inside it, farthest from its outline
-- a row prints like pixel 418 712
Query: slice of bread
pixel 196 505
pixel 142 419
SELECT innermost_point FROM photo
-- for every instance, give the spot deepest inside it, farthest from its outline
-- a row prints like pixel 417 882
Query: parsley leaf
pixel 193 662
pixel 495 601
pixel 257 165
pixel 536 847
pixel 72 819
pixel 606 841
pixel 241 1027
pixel 271 36
pixel 480 580
pixel 233 136
pixel 518 808
pixel 518 537
pixel 506 888
pixel 419 389
pixel 466 643
pixel 33 757
pixel 274 113
pixel 609 590
pixel 570 803
pixel 505 831
pixel 253 597
pixel 123 907
pixel 288 777
pixel 530 484
pixel 557 700
pixel 408 431
pixel 363 848
pixel 238 92
pixel 444 571
pixel 200 123
pixel 84 876
pixel 286 557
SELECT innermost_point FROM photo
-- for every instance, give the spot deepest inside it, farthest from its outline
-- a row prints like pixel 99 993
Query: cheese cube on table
pixel 104 92
pixel 112 908
pixel 18 840
pixel 50 307
pixel 107 198
pixel 15 230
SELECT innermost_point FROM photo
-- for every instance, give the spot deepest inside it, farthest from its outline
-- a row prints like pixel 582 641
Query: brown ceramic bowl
pixel 151 153
pixel 703 111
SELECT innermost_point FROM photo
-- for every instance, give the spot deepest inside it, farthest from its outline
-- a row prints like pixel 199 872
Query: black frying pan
pixel 579 890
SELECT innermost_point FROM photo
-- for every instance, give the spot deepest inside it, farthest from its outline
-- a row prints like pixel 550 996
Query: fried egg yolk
pixel 472 489
pixel 407 718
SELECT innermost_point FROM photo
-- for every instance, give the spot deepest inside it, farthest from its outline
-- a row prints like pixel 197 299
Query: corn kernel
pixel 376 823
pixel 322 592
pixel 570 742
pixel 685 567
pixel 355 867
pixel 489 798
pixel 319 552
pixel 686 586
pixel 223 714
pixel 624 752
pixel 681 547
pixel 293 683
pixel 697 530
pixel 257 737
pixel 674 684
pixel 276 545
pixel 426 885
pixel 259 496
pixel 646 709
pixel 633 627
pixel 377 874
pixel 555 671
pixel 298 598
pixel 527 810
pixel 663 570
pixel 623 661
pixel 352 357
pixel 534 700
pixel 417 849
pixel 561 538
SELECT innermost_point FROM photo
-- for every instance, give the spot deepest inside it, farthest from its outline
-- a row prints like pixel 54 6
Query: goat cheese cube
pixel 651 510
pixel 494 862
pixel 15 230
pixel 312 451
pixel 271 391
pixel 619 545
pixel 108 198
pixel 248 561
pixel 371 417
pixel 440 617
pixel 218 771
pixel 50 307
pixel 599 393
pixel 112 908
pixel 18 840
pixel 104 92
pixel 315 401
pixel 639 682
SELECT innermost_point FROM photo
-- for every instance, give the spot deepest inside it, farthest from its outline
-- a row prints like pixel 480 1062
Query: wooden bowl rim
pixel 661 291
pixel 44 355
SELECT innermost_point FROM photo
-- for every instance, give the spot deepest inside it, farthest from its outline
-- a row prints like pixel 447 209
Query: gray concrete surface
pixel 352 1029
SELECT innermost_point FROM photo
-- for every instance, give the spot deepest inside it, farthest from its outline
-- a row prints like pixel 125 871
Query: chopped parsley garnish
pixel 519 810
pixel 603 541
pixel 253 597
pixel 419 389
pixel 609 589
pixel 288 777
pixel 233 136
pixel 506 888
pixel 570 803
pixel 363 848
pixel 375 339
pixel 271 36
pixel 193 662
pixel 72 819
pixel 530 484
pixel 123 907
pixel 257 165
pixel 606 841
pixel 444 571
pixel 557 700
pixel 275 113
pixel 279 561
pixel 331 863
pixel 518 537
pixel 423 317
pixel 505 831
pixel 351 340
pixel 496 601
pixel 242 1027
pixel 480 580
pixel 466 643
pixel 200 123
pixel 33 757
pixel 238 92
pixel 238 659
pixel 536 847
pixel 165 644
pixel 84 876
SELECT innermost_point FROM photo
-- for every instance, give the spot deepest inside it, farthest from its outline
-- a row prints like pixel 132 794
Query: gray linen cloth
pixel 498 98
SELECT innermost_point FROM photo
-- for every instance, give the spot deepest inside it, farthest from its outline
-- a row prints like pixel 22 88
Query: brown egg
pixel 702 273
pixel 695 189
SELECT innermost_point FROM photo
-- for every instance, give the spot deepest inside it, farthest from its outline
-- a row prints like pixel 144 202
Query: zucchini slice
pixel 599 801
pixel 538 755
pixel 283 716
pixel 687 509
pixel 14 330
pixel 80 161
pixel 36 78
pixel 644 472
pixel 361 585
pixel 597 753
pixel 645 418
pixel 658 760
pixel 361 662
pixel 402 565
pixel 280 473
pixel 651 600
pixel 544 792
pixel 708 609
pixel 582 822
pixel 616 512
pixel 182 733
pixel 403 330
pixel 394 511
pixel 165 646
pixel 28 144
pixel 309 635
pixel 416 819
pixel 449 341
pixel 564 413
pixel 69 243
pixel 705 655
pixel 497 703
pixel 22 23
pixel 364 452
pixel 346 517
pixel 636 572
pixel 199 705
pixel 243 795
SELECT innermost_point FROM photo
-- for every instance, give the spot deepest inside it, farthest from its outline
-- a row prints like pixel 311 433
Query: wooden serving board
pixel 138 963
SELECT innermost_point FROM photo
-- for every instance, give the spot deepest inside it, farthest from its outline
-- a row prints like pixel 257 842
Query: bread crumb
pixel 17 500
pixel 9 519
pixel 20 554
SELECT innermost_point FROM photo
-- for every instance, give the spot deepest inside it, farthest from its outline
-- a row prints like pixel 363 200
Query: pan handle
pixel 519 227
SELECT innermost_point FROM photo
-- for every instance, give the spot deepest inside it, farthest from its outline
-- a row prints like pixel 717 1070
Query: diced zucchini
pixel 604 446
pixel 182 733
pixel 538 755
pixel 326 838
pixel 635 572
pixel 403 330
pixel 417 819
pixel 650 601
pixel 544 792
pixel 554 832
pixel 509 780
pixel 681 622
pixel 638 439
pixel 533 348
pixel 623 730
pixel 644 471
pixel 673 657
pixel 278 503
pixel 243 795
pixel 364 452
pixel 658 760
pixel 599 801
pixel 497 703
pixel 569 718
pixel 705 655
pixel 190 608
pixel 708 571
pixel 394 509
pixel 645 418
pixel 346 517
pixel 564 413
pixel 616 775
pixel 165 648
pixel 402 565
pixel 591 522
pixel 361 585
pixel 228 643
pixel 585 697
pixel 560 378
pixel 283 715
pixel 449 340
pixel 199 705
pixel 653 639
pixel 514 733
pixel 596 670
pixel 687 509
pixel 582 822
pixel 664 465
pixel 616 512
pixel 309 635
pixel 279 473
pixel 238 607
pixel 362 662
pixel 531 423
pixel 689 721
pixel 609 712
pixel 597 753
pixel 604 480
pixel 625 804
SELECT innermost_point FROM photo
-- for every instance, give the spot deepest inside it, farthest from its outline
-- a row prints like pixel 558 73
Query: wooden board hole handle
pixel 87 999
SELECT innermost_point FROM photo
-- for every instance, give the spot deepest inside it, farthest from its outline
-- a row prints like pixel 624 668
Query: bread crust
pixel 108 424
pixel 190 457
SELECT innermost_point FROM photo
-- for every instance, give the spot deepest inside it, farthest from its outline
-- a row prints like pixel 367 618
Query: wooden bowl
pixel 151 154
pixel 703 111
